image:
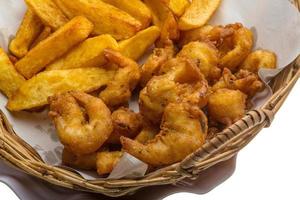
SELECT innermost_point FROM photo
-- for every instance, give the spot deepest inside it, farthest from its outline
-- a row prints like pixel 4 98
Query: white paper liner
pixel 276 24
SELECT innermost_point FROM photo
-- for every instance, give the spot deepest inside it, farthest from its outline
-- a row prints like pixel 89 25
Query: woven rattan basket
pixel 222 147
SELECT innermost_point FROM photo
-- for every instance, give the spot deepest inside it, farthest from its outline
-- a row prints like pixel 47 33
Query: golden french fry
pixel 10 80
pixel 135 8
pixel 34 92
pixel 177 6
pixel 106 18
pixel 48 12
pixel 88 54
pixel 29 29
pixel 198 14
pixel 54 46
pixel 136 46
pixel 43 35
pixel 159 11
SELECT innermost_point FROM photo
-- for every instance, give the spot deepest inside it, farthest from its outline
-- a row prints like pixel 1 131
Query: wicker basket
pixel 222 147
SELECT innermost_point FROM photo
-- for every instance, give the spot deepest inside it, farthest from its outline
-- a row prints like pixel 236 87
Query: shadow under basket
pixel 222 147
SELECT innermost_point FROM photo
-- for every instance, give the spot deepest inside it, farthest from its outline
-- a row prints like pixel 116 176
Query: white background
pixel 268 168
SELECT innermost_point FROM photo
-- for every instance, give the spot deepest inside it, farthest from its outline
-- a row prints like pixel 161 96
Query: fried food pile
pixel 81 59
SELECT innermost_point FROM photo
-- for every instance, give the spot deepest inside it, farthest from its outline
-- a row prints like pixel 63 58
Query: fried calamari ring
pixel 259 59
pixel 226 106
pixel 126 123
pixel 118 91
pixel 245 81
pixel 79 135
pixel 208 57
pixel 183 130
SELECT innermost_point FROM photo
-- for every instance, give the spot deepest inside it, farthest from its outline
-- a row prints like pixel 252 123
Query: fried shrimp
pixel 126 123
pixel 208 57
pixel 107 160
pixel 180 80
pixel 80 134
pixel 226 106
pixel 259 59
pixel 183 130
pixel 85 162
pixel 242 43
pixel 155 61
pixel 119 90
pixel 243 80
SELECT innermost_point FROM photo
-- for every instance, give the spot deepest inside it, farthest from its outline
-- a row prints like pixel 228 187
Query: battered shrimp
pixel 119 90
pixel 242 42
pixel 107 160
pixel 243 80
pixel 180 81
pixel 183 130
pixel 126 123
pixel 85 162
pixel 155 61
pixel 259 59
pixel 79 133
pixel 226 106
pixel 208 57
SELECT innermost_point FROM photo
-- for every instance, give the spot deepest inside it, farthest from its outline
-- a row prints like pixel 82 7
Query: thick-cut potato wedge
pixel 198 14
pixel 106 18
pixel 43 35
pixel 177 6
pixel 48 12
pixel 10 80
pixel 34 92
pixel 136 46
pixel 29 29
pixel 54 46
pixel 159 11
pixel 87 54
pixel 135 8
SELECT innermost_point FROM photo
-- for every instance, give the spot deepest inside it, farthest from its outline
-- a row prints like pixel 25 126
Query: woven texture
pixel 220 148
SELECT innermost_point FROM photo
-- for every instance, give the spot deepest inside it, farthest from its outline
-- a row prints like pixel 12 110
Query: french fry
pixel 87 54
pixel 10 80
pixel 136 46
pixel 177 6
pixel 60 42
pixel 48 12
pixel 135 8
pixel 42 36
pixel 34 92
pixel 29 29
pixel 159 11
pixel 106 18
pixel 198 14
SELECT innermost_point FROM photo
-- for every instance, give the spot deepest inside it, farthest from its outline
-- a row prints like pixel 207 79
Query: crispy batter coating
pixel 118 91
pixel 126 123
pixel 226 106
pixel 243 80
pixel 85 162
pixel 242 43
pixel 260 59
pixel 107 160
pixel 180 81
pixel 155 61
pixel 183 130
pixel 207 56
pixel 80 135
